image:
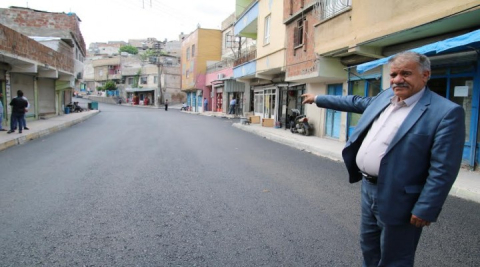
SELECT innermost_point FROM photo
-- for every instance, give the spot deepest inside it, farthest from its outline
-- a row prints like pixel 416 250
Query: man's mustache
pixel 400 85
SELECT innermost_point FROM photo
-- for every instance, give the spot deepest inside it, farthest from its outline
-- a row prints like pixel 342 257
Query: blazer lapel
pixel 412 118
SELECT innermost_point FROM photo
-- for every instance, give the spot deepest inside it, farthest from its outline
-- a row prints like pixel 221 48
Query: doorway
pixel 333 117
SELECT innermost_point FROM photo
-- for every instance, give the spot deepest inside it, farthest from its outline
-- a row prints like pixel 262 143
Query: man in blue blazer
pixel 407 149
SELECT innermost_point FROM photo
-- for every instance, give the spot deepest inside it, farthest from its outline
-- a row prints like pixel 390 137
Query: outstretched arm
pixel 349 103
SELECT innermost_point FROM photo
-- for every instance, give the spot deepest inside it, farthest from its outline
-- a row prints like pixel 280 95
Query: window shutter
pixel 291 7
pixel 302 3
pixel 305 34
pixel 295 37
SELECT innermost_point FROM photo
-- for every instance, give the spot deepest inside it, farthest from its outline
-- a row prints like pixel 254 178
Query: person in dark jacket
pixel 19 104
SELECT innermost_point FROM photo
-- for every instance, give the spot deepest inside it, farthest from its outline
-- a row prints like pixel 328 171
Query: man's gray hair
pixel 422 60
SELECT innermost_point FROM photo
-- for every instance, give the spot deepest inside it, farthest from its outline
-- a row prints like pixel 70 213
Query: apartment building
pixel 262 69
pixel 363 34
pixel 198 49
pixel 219 78
pixel 43 54
pixel 304 68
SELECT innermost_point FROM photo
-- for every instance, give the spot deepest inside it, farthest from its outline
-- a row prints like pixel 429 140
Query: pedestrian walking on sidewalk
pixel 1 112
pixel 205 104
pixel 406 149
pixel 166 104
pixel 19 105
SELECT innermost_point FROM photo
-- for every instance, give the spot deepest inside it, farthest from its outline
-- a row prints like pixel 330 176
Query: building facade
pixel 42 55
pixel 198 49
pixel 262 69
pixel 362 35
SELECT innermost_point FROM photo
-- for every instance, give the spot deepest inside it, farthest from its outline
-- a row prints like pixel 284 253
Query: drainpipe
pixel 35 97
pixel 474 118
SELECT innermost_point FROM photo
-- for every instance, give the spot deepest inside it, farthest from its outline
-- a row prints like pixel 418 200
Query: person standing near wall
pixel 166 104
pixel 19 105
pixel 233 102
pixel 24 120
pixel 205 104
pixel 1 112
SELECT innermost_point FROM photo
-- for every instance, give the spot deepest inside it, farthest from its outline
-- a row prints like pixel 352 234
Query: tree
pixel 110 85
pixel 129 49
pixel 147 55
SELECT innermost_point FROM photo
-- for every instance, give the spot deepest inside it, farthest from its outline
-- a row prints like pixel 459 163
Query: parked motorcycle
pixel 75 107
pixel 299 123
pixel 184 108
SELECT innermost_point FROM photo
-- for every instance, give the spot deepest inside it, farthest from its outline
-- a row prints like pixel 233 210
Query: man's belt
pixel 370 178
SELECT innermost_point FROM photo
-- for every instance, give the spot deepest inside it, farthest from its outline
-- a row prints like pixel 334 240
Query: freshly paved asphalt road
pixel 146 187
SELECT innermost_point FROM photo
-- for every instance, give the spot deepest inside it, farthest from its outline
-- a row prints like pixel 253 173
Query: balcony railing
pixel 226 63
pixel 330 8
pixel 246 57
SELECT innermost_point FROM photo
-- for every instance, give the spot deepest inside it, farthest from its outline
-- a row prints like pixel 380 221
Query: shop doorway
pixel 456 84
pixel 333 117
pixel 366 87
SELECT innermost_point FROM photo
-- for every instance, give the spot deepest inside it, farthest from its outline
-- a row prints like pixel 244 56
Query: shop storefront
pixel 455 64
pixel 291 99
pixel 234 90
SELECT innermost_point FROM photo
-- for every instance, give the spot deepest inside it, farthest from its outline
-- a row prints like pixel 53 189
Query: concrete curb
pixel 292 143
pixel 41 133
pixel 466 186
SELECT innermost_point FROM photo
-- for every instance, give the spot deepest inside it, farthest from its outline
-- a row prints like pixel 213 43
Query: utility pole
pixel 159 93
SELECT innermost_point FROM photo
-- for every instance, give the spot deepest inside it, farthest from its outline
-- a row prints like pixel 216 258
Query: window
pixel 266 39
pixel 188 53
pixel 300 34
pixel 187 73
pixel 155 78
pixel 228 37
pixel 143 80
pixel 130 81
pixel 193 50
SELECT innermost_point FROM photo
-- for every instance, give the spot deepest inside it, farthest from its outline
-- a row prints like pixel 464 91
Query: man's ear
pixel 426 76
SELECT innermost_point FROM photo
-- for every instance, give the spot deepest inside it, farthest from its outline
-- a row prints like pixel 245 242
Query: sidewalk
pixel 467 185
pixel 40 128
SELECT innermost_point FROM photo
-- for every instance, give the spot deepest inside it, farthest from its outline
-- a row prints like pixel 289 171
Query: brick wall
pixel 18 44
pixel 32 22
pixel 300 60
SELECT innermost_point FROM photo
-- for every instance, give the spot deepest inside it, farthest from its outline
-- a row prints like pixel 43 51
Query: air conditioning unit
pixel 220 76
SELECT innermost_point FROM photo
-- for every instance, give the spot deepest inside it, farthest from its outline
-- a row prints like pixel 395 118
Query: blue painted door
pixel 332 121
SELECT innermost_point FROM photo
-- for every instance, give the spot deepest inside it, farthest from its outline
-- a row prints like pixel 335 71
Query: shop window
pixel 370 88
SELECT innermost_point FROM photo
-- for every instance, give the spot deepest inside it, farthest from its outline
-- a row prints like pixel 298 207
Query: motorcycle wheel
pixel 306 131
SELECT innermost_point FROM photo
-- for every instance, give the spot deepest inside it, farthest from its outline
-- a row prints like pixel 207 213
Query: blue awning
pixel 451 45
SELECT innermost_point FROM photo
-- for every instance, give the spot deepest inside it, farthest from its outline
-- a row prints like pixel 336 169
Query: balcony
pixel 246 70
pixel 227 63
pixel 330 8
pixel 246 25
pixel 245 57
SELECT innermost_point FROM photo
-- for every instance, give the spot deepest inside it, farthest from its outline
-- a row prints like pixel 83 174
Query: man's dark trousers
pixel 386 246
pixel 15 119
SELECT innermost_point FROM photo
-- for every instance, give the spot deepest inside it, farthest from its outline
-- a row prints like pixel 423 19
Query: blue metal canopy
pixel 452 44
